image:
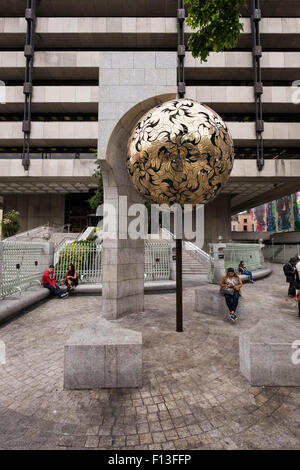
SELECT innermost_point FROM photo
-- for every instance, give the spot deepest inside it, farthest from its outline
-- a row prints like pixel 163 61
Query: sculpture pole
pixel 179 152
pixel 181 93
pixel 179 322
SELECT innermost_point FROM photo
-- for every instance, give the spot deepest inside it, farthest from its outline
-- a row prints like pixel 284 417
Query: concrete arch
pixel 117 143
pixel 123 258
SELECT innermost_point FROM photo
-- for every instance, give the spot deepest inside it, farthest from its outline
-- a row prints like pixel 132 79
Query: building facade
pixel 78 94
pixel 242 222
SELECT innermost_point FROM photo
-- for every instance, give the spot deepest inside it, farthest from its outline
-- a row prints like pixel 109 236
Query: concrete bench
pixel 88 289
pixel 268 353
pixel 149 286
pixel 259 274
pixel 103 355
pixel 208 300
pixel 12 305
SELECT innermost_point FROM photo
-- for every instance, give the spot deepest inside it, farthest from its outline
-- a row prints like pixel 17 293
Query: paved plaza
pixel 193 395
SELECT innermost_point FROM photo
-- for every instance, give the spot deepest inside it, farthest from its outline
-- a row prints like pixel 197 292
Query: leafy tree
pixel 97 198
pixel 217 23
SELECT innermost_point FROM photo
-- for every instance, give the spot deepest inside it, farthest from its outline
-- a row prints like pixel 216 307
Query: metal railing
pixel 22 263
pixel 187 245
pixel 84 255
pixel 157 261
pixel 280 253
pixel 22 266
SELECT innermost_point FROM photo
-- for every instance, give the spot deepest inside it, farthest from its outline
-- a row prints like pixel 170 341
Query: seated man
pixel 48 281
pixel 243 270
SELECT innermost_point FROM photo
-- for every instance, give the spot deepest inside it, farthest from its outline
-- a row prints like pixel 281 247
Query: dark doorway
pixel 77 211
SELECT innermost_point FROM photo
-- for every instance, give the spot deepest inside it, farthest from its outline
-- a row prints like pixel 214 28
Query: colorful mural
pixel 281 215
pixel 296 204
pixel 271 216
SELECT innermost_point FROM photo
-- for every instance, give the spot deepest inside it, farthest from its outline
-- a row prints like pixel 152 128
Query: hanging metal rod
pixel 257 82
pixel 30 16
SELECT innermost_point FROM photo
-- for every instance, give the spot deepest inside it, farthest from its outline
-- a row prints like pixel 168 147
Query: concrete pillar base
pixel 103 355
pixel 268 354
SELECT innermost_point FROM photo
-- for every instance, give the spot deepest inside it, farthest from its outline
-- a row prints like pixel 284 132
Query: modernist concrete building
pixel 94 61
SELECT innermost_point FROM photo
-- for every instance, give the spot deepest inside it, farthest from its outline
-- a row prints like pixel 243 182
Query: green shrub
pixel 77 253
pixel 10 223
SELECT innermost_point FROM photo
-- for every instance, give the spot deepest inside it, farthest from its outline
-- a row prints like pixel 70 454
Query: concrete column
pixel 130 84
pixel 122 258
pixel 217 220
pixel 1 265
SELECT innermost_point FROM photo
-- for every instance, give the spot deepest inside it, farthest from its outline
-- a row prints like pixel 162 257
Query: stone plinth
pixel 209 300
pixel 268 354
pixel 103 356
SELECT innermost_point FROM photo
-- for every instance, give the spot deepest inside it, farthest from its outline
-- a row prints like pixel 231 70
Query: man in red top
pixel 48 281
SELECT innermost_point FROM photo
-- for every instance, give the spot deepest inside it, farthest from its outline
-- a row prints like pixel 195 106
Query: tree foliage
pixel 217 23
pixel 10 223
pixel 97 198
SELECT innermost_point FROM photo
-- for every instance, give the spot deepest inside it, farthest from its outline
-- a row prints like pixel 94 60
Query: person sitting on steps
pixel 243 270
pixel 71 277
pixel 48 281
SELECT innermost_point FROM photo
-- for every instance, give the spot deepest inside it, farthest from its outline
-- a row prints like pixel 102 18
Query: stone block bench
pixel 103 355
pixel 12 305
pixel 208 300
pixel 268 353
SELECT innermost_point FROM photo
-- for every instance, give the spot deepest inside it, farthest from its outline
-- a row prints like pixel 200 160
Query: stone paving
pixel 193 396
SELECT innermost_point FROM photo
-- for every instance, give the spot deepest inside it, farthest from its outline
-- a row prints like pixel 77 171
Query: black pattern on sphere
pixel 180 152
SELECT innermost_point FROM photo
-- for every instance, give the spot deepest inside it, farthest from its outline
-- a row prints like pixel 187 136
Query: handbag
pixel 227 290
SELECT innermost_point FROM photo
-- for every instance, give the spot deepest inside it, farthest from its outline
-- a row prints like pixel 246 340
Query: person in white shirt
pixel 298 267
pixel 298 284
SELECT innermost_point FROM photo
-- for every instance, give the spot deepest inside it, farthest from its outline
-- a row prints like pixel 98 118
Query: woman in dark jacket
pixel 71 277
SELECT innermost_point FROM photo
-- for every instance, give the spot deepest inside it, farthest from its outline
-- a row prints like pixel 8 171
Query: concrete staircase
pixel 192 263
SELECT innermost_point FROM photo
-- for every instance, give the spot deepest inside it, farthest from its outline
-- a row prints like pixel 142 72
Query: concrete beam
pixel 51 65
pixel 224 99
pixel 85 64
pixel 84 133
pixel 278 134
pixel 47 176
pixel 54 134
pixel 141 8
pixel 250 187
pixel 53 99
pixel 115 8
pixel 235 64
pixel 77 32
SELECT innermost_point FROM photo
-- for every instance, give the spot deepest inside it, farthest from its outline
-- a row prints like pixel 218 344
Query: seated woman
pixel 71 277
pixel 243 270
pixel 231 288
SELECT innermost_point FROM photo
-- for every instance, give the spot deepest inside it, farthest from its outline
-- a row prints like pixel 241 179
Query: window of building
pixel 245 228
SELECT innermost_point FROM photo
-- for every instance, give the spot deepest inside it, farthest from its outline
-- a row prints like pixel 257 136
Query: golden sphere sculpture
pixel 180 152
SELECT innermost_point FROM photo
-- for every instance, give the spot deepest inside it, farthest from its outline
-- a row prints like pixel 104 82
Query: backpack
pixel 286 269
